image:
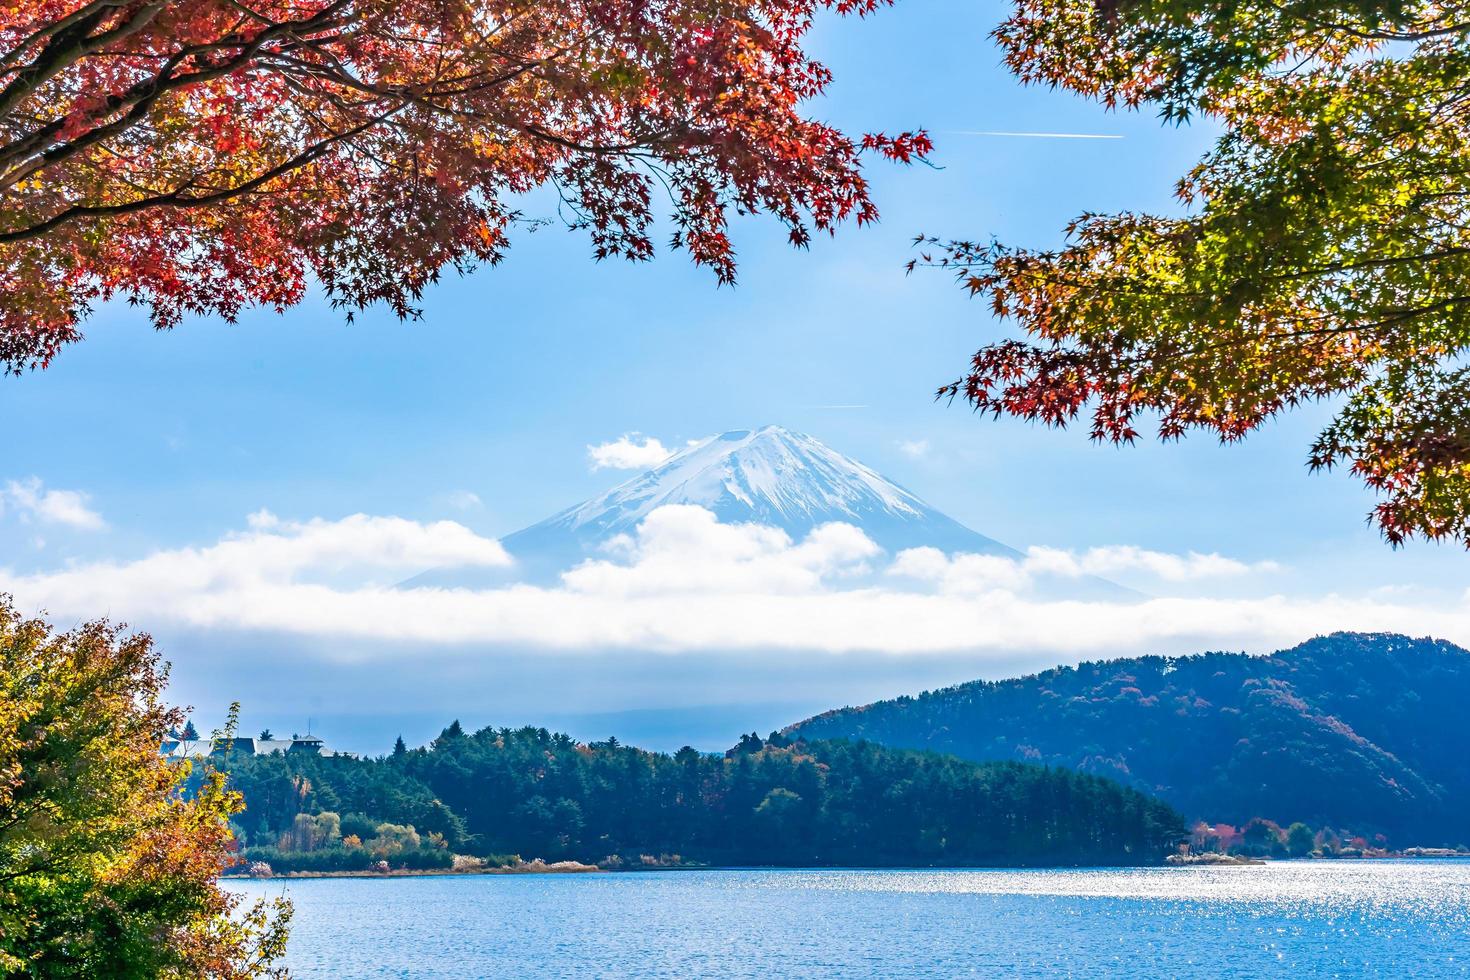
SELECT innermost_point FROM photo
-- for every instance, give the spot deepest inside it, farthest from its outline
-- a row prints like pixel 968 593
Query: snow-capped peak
pixel 769 476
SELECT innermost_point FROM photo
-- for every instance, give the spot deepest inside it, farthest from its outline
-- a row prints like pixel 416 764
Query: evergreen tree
pixel 538 794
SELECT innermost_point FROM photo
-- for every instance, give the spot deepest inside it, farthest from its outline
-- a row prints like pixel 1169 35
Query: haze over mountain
pixel 770 476
pixel 1354 731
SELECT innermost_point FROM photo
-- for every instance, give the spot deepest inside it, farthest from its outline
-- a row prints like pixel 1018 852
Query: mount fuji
pixel 770 476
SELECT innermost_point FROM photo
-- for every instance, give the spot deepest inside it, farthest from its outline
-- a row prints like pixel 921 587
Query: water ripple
pixel 1291 919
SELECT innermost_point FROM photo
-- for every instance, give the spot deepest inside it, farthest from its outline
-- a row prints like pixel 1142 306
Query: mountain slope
pixel 769 476
pixel 1358 731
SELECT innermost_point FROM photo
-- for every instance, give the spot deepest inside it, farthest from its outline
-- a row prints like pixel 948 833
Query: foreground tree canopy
pixel 201 156
pixel 1325 251
pixel 106 869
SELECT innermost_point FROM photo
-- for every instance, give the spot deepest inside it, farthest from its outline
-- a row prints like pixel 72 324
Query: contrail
pixel 1043 136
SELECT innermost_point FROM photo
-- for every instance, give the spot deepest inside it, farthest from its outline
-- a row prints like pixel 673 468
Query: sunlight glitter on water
pixel 1287 920
pixel 1379 887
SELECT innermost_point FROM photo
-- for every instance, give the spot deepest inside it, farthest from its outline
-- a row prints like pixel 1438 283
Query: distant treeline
pixel 534 793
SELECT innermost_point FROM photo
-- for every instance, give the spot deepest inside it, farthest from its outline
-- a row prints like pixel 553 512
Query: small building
pixel 204 747
pixel 229 746
pixel 296 743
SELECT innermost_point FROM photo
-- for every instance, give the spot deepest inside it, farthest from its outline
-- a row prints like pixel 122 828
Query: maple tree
pixel 108 867
pixel 202 156
pixel 1322 251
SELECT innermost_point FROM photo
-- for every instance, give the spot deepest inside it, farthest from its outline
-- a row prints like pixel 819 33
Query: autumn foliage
pixel 107 868
pixel 1323 252
pixel 203 156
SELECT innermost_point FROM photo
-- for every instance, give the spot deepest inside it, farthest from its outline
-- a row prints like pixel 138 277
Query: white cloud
pixel 627 453
pixel 978 573
pixel 34 502
pixel 1115 559
pixel 914 448
pixel 961 573
pixel 685 582
pixel 683 549
pixel 270 562
pixel 460 499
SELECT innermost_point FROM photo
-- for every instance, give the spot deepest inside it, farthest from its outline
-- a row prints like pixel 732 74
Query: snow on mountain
pixel 770 476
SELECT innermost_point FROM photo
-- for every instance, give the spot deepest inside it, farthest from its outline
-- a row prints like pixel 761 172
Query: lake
pixel 1288 919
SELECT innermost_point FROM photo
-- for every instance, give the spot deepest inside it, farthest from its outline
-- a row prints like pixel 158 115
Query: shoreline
pixel 573 867
pixel 421 873
pixel 536 867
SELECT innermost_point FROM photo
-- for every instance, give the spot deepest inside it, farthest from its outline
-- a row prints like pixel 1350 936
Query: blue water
pixel 1291 919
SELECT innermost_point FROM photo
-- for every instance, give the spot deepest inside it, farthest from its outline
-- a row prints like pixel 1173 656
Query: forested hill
pixel 1358 731
pixel 537 794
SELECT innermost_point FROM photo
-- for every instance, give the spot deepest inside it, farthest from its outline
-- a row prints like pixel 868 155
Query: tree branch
pixel 178 199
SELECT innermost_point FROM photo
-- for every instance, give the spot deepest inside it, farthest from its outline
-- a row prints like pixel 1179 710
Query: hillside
pixel 538 794
pixel 1355 731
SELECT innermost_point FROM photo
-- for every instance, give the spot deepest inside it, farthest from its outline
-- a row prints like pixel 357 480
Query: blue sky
pixel 482 414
